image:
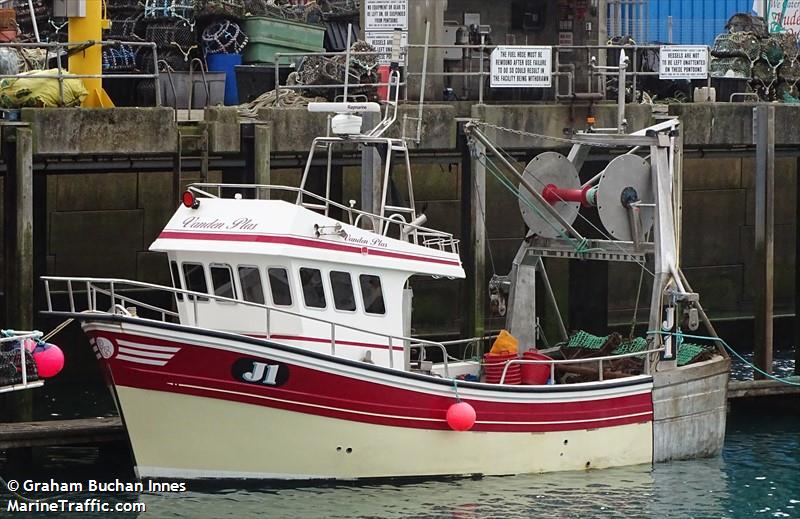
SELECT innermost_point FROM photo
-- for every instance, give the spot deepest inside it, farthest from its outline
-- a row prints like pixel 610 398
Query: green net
pixel 687 352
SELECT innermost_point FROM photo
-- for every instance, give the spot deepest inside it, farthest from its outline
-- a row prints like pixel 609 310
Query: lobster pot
pixel 121 58
pixel 168 59
pixel 214 8
pixel 175 40
pixel 123 8
pixel 169 9
pixel 11 366
pixel 223 37
pixel 127 28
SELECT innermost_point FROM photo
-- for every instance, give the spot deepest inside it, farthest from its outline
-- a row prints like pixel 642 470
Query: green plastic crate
pixel 269 36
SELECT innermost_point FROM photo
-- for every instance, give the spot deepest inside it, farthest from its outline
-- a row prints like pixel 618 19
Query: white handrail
pixel 444 240
pixel 553 362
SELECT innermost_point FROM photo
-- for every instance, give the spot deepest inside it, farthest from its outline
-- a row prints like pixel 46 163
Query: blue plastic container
pixel 226 63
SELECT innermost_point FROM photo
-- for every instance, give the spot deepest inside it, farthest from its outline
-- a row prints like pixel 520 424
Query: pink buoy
pixel 461 416
pixel 49 359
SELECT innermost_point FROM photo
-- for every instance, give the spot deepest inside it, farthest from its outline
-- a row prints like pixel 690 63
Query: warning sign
pixel 385 15
pixel 683 62
pixel 382 41
pixel 522 67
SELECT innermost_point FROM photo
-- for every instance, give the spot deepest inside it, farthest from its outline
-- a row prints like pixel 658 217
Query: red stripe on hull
pixel 299 242
pixel 208 372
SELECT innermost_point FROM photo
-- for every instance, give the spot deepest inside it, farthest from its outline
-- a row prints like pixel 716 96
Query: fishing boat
pixel 283 348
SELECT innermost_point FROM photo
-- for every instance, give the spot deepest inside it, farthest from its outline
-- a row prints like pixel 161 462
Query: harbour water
pixel 757 476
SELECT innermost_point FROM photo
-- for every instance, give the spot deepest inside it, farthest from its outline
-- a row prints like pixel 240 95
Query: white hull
pixel 190 437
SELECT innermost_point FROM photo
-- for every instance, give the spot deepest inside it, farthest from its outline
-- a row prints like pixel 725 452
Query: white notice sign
pixel 382 41
pixel 683 62
pixel 385 15
pixel 522 67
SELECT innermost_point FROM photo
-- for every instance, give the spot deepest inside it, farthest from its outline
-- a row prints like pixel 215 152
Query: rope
pixel 57 329
pixel 455 388
pixel 681 336
pixel 636 305
pixel 562 140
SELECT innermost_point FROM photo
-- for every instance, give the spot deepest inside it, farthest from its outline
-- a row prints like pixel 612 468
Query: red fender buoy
pixel 461 416
pixel 49 360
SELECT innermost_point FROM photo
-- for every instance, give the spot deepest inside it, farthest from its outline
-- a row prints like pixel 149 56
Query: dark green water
pixel 758 475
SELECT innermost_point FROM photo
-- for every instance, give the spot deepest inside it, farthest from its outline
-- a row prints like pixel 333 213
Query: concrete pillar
pixel 764 126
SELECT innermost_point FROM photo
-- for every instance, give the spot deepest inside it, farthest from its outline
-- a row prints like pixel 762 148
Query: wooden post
pixel 263 148
pixel 473 235
pixel 797 275
pixel 19 280
pixel 764 135
pixel 479 238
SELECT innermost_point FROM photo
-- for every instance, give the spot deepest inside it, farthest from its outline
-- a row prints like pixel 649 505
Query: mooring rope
pixel 57 329
pixel 681 336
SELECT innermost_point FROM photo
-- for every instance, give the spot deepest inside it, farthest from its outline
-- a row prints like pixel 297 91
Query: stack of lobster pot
pixel 49 28
pixel 170 24
pixel 223 40
pixel 126 24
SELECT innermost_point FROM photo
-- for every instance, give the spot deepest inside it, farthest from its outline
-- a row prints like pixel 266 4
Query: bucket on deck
pixel 494 364
pixel 226 63
pixel 535 374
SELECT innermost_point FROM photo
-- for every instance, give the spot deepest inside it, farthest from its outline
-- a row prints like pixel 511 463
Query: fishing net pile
pixel 323 70
pixel 310 12
pixel 314 72
pixel 769 62
pixel 583 345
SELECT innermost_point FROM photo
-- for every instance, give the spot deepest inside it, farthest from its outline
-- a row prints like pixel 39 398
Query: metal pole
pixel 552 297
pixel 347 60
pixel 623 65
pixel 35 23
pixel 764 124
pixel 422 81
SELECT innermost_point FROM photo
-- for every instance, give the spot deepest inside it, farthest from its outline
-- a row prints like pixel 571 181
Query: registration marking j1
pixel 263 373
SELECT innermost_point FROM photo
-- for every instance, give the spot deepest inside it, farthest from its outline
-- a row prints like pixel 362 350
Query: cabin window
pixel 176 278
pixel 372 293
pixel 195 277
pixel 342 288
pixel 222 280
pixel 313 293
pixel 279 286
pixel 250 281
